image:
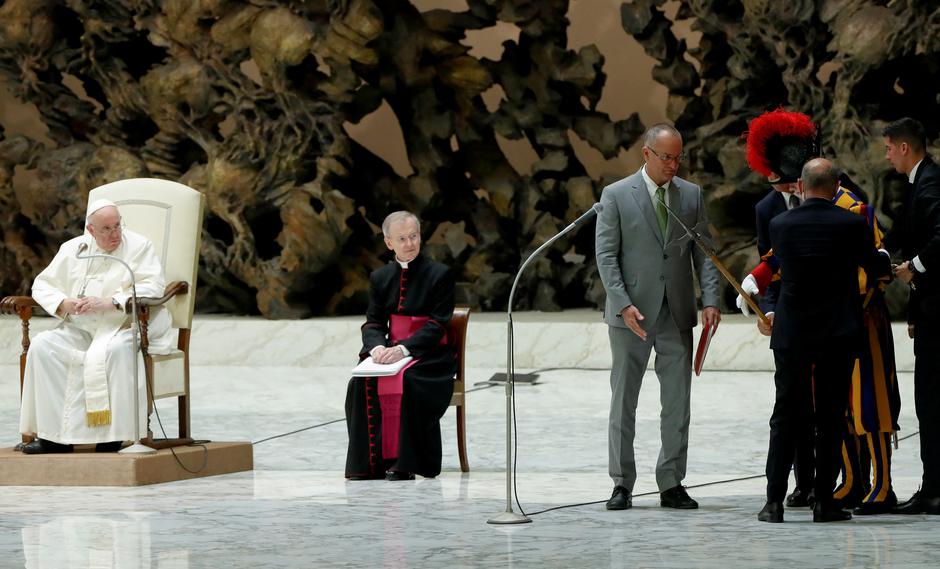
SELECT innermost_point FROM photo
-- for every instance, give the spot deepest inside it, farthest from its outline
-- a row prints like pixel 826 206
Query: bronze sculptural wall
pixel 246 100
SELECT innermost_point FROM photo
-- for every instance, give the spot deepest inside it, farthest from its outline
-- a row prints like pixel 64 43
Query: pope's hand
pixel 93 305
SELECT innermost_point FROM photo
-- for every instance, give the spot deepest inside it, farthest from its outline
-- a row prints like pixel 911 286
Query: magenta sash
pixel 390 387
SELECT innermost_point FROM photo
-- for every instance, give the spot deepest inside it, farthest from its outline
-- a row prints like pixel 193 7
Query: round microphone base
pixel 137 448
pixel 509 518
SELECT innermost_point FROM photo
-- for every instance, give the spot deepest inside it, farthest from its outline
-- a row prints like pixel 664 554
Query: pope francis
pixel 79 382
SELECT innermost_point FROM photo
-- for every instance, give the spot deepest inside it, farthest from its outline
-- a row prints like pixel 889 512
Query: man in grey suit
pixel 645 261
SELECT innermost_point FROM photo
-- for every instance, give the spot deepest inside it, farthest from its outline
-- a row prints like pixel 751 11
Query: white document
pixel 368 368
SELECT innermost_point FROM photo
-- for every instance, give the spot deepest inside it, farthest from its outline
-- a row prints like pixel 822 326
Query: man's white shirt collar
pixel 913 173
pixel 651 186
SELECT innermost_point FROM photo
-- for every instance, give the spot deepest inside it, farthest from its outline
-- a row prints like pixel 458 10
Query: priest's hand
pixel 93 305
pixel 385 355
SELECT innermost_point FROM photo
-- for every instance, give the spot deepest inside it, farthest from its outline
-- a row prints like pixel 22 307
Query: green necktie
pixel 661 214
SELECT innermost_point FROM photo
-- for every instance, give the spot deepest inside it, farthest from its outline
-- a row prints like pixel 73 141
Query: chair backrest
pixel 170 215
pixel 457 337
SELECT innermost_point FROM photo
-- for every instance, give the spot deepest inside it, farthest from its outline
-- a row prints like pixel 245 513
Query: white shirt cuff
pixel 404 351
pixel 372 351
pixel 918 264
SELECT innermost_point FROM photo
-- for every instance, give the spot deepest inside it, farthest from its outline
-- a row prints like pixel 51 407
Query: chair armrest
pixel 175 288
pixel 16 304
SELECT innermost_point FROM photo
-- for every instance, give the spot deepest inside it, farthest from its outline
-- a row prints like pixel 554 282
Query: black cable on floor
pixel 299 431
pixel 482 387
pixel 205 449
pixel 716 482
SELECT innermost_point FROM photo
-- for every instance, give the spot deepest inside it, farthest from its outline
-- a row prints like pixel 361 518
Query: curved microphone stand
pixel 509 516
pixel 138 447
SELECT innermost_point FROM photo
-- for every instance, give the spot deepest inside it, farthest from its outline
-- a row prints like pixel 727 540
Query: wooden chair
pixel 170 215
pixel 457 335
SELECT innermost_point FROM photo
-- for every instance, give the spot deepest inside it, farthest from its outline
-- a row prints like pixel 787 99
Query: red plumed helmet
pixel 780 142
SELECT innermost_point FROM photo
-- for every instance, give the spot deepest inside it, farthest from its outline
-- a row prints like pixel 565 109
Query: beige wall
pixel 629 88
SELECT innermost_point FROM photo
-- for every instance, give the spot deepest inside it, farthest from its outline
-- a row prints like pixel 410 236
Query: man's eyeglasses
pixel 108 230
pixel 667 157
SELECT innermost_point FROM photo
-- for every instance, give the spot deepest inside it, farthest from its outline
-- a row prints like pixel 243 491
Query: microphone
pixel 81 249
pixel 594 210
pixel 510 517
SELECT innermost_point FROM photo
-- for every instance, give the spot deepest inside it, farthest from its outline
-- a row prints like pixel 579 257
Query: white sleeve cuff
pixel 372 351
pixel 404 350
pixel 918 264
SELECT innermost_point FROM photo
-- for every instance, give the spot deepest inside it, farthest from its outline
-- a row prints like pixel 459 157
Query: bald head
pixel 820 179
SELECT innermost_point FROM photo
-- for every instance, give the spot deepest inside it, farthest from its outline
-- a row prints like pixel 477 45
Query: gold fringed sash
pixel 98 418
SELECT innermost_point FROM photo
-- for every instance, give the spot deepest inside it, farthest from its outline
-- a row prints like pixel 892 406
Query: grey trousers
pixel 673 366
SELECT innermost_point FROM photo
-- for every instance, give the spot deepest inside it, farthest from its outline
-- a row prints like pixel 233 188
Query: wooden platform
pixel 88 468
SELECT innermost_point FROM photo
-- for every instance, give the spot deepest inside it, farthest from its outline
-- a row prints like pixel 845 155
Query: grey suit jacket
pixel 638 267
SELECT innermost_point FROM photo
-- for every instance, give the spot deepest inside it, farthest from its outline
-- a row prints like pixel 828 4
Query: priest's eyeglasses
pixel 668 157
pixel 109 230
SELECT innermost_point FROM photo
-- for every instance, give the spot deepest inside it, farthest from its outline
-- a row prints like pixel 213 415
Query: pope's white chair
pixel 170 214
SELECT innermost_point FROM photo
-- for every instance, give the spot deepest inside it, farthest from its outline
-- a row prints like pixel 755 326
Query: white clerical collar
pixel 404 264
pixel 913 173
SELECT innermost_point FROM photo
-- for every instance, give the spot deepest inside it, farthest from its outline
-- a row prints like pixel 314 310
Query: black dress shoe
pixel 800 499
pixel 918 504
pixel 621 499
pixel 112 446
pixel 829 513
pixel 771 513
pixel 42 446
pixel 885 506
pixel 396 475
pixel 676 497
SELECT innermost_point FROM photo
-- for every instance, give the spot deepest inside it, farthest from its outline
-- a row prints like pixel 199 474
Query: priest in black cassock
pixel 394 421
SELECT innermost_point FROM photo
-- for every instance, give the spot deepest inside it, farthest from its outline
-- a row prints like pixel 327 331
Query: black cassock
pixel 425 288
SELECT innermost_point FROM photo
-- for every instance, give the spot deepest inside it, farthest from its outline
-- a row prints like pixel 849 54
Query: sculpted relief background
pixel 498 121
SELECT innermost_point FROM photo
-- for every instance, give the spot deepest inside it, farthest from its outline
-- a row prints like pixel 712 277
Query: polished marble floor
pixel 296 510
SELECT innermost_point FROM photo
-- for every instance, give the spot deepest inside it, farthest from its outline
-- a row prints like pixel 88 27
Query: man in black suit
pixel 917 235
pixel 779 143
pixel 816 333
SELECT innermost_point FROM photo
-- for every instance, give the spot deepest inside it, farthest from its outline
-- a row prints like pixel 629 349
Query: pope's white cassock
pixel 79 380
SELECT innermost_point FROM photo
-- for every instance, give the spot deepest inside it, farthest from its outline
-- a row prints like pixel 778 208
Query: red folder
pixel 703 342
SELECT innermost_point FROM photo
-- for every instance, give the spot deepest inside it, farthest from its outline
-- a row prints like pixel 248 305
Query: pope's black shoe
pixel 112 446
pixel 676 497
pixel 800 499
pixel 829 513
pixel 771 513
pixel 621 499
pixel 42 446
pixel 396 475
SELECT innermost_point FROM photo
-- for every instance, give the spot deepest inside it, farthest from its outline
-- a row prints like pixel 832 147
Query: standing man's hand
pixel 903 272
pixel 766 329
pixel 711 316
pixel 910 331
pixel 632 318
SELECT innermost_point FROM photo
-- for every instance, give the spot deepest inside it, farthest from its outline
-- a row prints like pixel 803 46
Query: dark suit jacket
pixel 916 233
pixel 820 247
pixel 769 207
